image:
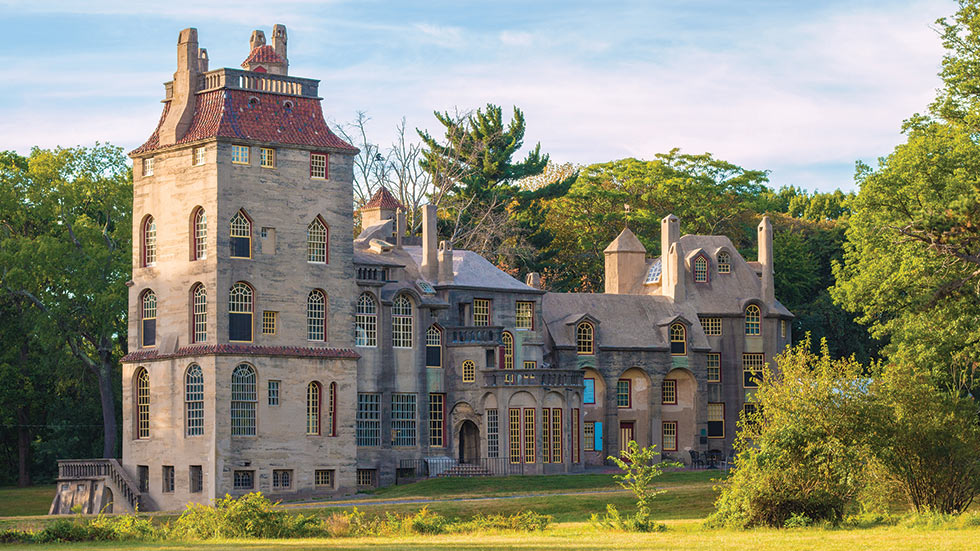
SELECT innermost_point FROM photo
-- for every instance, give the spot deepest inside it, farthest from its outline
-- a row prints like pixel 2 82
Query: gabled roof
pixel 263 54
pixel 383 199
pixel 626 242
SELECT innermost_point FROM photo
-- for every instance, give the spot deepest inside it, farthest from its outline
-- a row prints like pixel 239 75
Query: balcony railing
pixel 248 80
pixel 532 377
pixel 429 467
pixel 475 335
pixel 372 274
pixel 89 469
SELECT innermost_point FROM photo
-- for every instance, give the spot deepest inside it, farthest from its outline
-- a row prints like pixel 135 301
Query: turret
pixel 183 103
pixel 671 277
pixel 279 43
pixel 625 263
pixel 430 262
pixel 446 263
pixel 765 260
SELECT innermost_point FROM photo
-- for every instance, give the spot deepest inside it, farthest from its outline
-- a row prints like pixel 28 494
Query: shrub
pixel 250 516
pixel 524 521
pixel 637 522
pixel 15 536
pixel 63 530
pixel 425 522
pixel 122 527
pixel 798 520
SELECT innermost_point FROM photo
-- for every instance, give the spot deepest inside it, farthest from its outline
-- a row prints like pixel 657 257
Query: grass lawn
pixel 35 500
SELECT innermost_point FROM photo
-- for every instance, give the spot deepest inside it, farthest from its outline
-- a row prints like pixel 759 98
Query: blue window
pixel 589 391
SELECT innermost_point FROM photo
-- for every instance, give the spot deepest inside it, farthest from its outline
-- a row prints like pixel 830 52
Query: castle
pixel 270 352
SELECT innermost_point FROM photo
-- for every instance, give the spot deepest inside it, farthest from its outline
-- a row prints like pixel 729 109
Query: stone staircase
pixel 95 486
pixel 465 470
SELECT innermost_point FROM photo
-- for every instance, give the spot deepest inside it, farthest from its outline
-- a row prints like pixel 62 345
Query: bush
pixel 525 521
pixel 122 528
pixel 250 516
pixel 63 530
pixel 425 522
pixel 798 520
pixel 15 536
pixel 637 522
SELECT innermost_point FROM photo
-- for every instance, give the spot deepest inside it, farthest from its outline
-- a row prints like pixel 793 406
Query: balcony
pixel 371 274
pixel 474 336
pixel 563 378
pixel 248 80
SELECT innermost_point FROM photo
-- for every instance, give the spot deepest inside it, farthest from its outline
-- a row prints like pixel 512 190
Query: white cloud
pixel 440 35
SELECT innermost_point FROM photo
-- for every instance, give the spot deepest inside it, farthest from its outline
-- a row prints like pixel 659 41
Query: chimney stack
pixel 399 227
pixel 670 233
pixel 445 263
pixel 674 286
pixel 765 259
pixel 182 104
pixel 533 279
pixel 430 263
pixel 202 57
pixel 279 44
pixel 257 39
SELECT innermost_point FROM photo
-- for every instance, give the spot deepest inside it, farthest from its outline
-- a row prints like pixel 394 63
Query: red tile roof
pixel 227 113
pixel 263 54
pixel 384 199
pixel 243 350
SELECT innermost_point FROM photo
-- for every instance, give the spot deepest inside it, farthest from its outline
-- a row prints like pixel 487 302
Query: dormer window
pixel 701 269
pixel 585 338
pixel 753 320
pixel 678 339
pixel 148 166
pixel 724 263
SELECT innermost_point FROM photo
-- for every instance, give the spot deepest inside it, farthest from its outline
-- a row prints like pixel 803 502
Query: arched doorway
pixel 106 505
pixel 469 442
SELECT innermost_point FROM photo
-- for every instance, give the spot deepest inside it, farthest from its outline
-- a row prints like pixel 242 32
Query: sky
pixel 802 89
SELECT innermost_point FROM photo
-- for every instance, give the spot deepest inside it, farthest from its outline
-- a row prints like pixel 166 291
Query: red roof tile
pixel 243 350
pixel 384 199
pixel 227 113
pixel 263 54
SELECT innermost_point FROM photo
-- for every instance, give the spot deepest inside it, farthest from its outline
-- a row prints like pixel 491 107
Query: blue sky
pixel 803 89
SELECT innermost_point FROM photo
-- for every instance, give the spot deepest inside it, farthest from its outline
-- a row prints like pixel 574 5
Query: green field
pixel 35 500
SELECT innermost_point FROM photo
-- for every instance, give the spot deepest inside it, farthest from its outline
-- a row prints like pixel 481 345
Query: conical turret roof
pixel 626 242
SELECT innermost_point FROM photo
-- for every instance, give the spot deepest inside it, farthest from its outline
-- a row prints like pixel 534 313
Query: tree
pixel 639 471
pixel 65 248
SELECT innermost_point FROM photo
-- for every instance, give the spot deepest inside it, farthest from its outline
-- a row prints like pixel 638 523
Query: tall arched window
pixel 199 222
pixel 316 241
pixel 469 371
pixel 142 395
pixel 148 318
pixel 313 409
pixel 678 339
pixel 402 322
pixel 241 236
pixel 701 269
pixel 366 321
pixel 149 237
pixel 724 263
pixel 199 323
pixel 585 338
pixel 507 350
pixel 433 347
pixel 240 313
pixel 332 410
pixel 316 316
pixel 194 400
pixel 753 320
pixel 243 400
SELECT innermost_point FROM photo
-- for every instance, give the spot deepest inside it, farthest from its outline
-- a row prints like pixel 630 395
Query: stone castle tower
pixel 240 303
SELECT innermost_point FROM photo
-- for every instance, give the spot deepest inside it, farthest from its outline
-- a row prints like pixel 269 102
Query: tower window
pixel 239 154
pixel 241 236
pixel 318 166
pixel 149 242
pixel 240 313
pixel 199 250
pixel 316 316
pixel 313 409
pixel 753 320
pixel 198 156
pixel 194 400
pixel 366 322
pixel 316 241
pixel 243 401
pixel 199 330
pixel 142 403
pixel 267 157
pixel 148 318
pixel 148 166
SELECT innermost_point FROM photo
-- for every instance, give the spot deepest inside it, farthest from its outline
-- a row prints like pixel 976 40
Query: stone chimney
pixel 202 58
pixel 183 103
pixel 257 39
pixel 279 44
pixel 430 264
pixel 446 274
pixel 671 258
pixel 625 263
pixel 765 259
pixel 533 279
pixel 399 227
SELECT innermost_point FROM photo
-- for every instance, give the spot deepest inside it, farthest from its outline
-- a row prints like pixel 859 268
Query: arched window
pixel 701 269
pixel 585 338
pixel 366 321
pixel 469 371
pixel 199 329
pixel 678 339
pixel 332 410
pixel 402 322
pixel 149 242
pixel 148 318
pixel 313 409
pixel 243 400
pixel 753 320
pixel 241 236
pixel 433 347
pixel 240 313
pixel 142 403
pixel 194 400
pixel 316 241
pixel 724 263
pixel 316 316
pixel 507 350
pixel 199 248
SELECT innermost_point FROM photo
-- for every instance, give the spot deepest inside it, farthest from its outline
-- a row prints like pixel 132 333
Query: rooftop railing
pixel 237 79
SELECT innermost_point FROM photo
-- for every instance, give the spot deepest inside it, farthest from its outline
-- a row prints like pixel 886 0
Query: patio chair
pixel 696 460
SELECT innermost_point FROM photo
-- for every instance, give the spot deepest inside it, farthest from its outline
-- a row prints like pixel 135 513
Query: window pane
pixel 403 419
pixel 589 393
pixel 243 400
pixel 366 322
pixel 368 431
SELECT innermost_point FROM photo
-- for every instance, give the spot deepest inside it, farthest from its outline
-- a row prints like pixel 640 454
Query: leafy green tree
pixel 65 248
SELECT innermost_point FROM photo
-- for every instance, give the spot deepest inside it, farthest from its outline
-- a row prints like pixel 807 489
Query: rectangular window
pixel 546 435
pixel 403 426
pixel 196 479
pixel 525 315
pixel 273 393
pixel 267 157
pixel 239 154
pixel 493 434
pixel 530 365
pixel 318 166
pixel 368 419
pixel 481 312
pixel 282 479
pixel 624 398
pixel 198 156
pixel 669 391
pixel 323 478
pixel 670 436
pixel 529 430
pixel 589 393
pixel 782 328
pixel 365 477
pixel 576 454
pixel 714 368
pixel 168 479
pixel 514 417
pixel 716 420
pixel 556 439
pixel 148 166
pixel 270 321
pixel 752 369
pixel 588 434
pixel 194 404
pixel 711 326
pixel 437 419
pixel 143 472
pixel 749 411
pixel 244 480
